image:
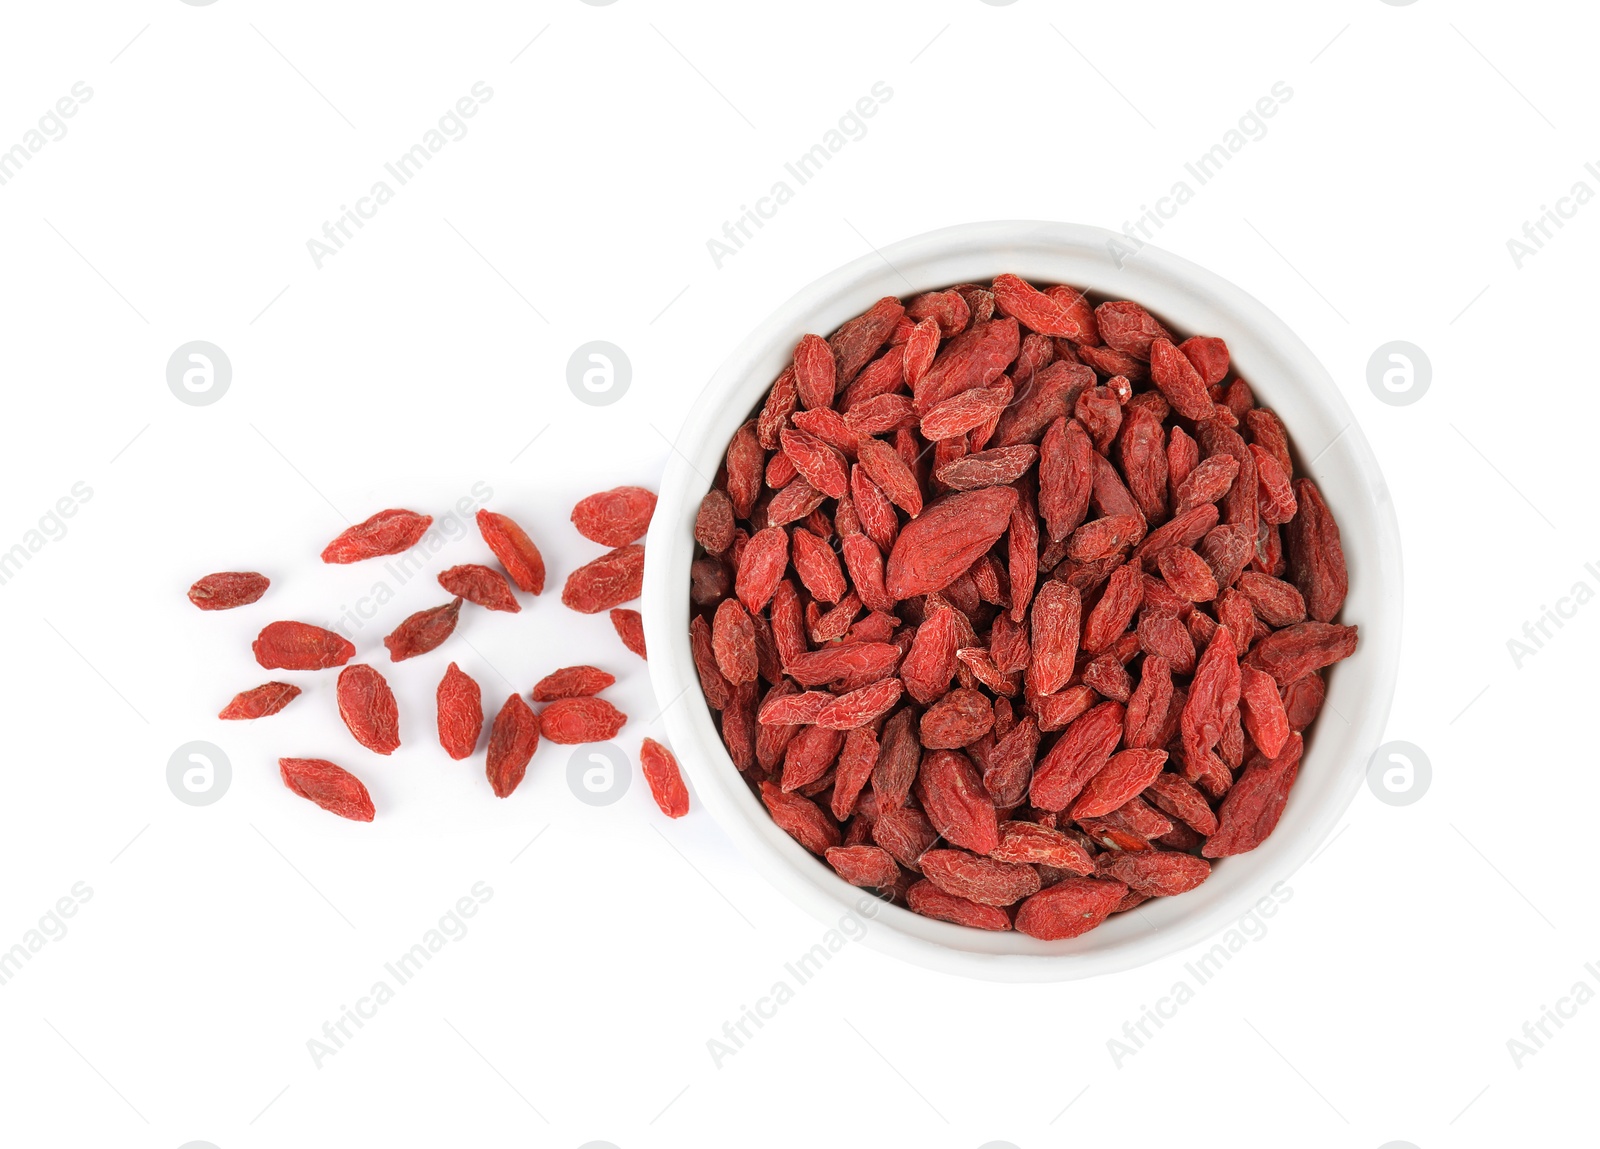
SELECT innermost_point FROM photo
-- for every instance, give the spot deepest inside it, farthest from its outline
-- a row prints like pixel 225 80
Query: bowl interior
pixel 1330 447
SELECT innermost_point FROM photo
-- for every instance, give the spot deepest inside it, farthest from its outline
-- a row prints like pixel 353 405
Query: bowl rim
pixel 1280 368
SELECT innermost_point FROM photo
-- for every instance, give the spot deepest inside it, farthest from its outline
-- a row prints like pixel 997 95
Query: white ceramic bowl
pixel 1284 375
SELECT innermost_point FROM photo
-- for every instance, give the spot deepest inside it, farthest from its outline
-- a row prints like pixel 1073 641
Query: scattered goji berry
pixel 301 646
pixel 573 721
pixel 261 701
pixel 385 533
pixel 660 771
pixel 572 682
pixel 616 517
pixel 515 550
pixel 423 631
pixel 480 585
pixel 512 740
pixel 368 708
pixel 333 788
pixel 629 625
pixel 228 589
pixel 460 706
pixel 610 580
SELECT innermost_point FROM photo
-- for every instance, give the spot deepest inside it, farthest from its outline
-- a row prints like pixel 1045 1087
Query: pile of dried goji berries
pixel 1012 607
pixel 572 713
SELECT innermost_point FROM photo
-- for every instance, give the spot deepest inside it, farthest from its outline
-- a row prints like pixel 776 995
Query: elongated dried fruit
pixel 733 641
pixel 1251 810
pixel 515 550
pixel 480 585
pixel 1078 755
pixel 661 773
pixel 385 533
pixel 629 625
pixel 1124 775
pixel 368 708
pixel 423 631
pixel 1316 555
pixel 931 902
pixel 228 589
pixel 260 702
pixel 1068 909
pixel 301 646
pixel 572 682
pixel 871 866
pixel 460 713
pixel 512 740
pixel 573 721
pixel 616 517
pixel 934 548
pixel 1155 873
pixel 610 580
pixel 859 707
pixel 1296 651
pixel 765 558
pixel 1055 619
pixel 802 819
pixel 332 787
pixel 956 802
pixel 978 879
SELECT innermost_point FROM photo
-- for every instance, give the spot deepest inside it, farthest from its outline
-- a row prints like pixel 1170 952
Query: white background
pixel 429 353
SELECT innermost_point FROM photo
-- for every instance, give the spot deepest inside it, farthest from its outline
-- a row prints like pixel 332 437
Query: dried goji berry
pixel 1078 755
pixel 610 580
pixel 860 707
pixel 301 646
pixel 871 866
pixel 814 372
pixel 800 818
pixel 512 740
pixel 332 787
pixel 1154 873
pixel 423 631
pixel 766 557
pixel 958 719
pixel 261 701
pixel 460 713
pixel 1055 617
pixel 733 641
pixel 1124 775
pixel 1071 907
pixel 956 803
pixel 368 708
pixel 1251 810
pixel 925 898
pixel 228 589
pixel 515 550
pixel 1174 796
pixel 385 533
pixel 573 721
pixel 986 881
pixel 1296 651
pixel 934 548
pixel 1316 556
pixel 660 771
pixel 480 585
pixel 572 682
pixel 629 625
pixel 714 522
pixel 616 517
